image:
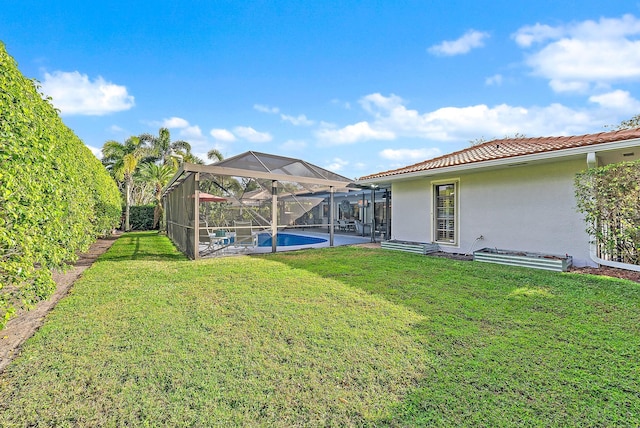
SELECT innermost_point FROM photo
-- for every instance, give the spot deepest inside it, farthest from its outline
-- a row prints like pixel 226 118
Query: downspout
pixel 592 162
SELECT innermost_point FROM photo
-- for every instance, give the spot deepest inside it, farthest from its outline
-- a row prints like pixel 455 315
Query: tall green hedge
pixel 142 217
pixel 609 198
pixel 55 195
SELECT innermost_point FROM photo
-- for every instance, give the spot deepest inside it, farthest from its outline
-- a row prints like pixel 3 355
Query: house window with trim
pixel 445 213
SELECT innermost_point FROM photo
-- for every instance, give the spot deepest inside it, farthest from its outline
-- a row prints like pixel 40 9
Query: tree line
pixel 142 165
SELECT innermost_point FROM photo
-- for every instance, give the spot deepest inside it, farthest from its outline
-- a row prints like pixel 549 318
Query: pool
pixel 288 240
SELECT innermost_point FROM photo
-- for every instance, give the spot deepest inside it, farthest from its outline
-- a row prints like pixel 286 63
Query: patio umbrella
pixel 206 197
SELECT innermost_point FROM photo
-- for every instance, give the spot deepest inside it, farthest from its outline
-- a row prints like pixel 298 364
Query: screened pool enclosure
pixel 247 201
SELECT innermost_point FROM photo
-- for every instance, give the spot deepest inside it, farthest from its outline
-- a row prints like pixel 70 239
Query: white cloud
pixel 360 131
pixel 452 123
pixel 293 145
pixel 376 103
pixel 300 120
pixel 175 122
pixel 617 100
pixel 538 33
pixel 96 151
pixel 569 86
pixel 266 109
pixel 192 132
pixel 410 155
pixel 327 125
pixel 337 164
pixel 344 104
pixel 360 166
pixel 222 135
pixel 391 119
pixel 74 94
pixel 496 80
pixel 115 129
pixel 469 40
pixel 250 134
pixel 579 56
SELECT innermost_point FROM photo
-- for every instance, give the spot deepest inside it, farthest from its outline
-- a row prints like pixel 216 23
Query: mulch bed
pixel 602 270
pixel 452 256
pixel 609 271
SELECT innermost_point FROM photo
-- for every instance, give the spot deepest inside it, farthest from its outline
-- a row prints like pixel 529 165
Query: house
pixel 515 194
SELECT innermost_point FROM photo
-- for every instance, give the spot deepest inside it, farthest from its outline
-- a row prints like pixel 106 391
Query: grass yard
pixel 333 337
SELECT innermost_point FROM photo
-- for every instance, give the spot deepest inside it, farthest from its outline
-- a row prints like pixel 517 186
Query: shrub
pixel 609 197
pixel 55 195
pixel 142 217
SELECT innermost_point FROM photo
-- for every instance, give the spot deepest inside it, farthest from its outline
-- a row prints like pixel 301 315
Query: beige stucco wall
pixel 410 211
pixel 528 207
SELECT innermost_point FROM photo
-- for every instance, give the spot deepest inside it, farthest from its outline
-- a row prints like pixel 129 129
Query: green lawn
pixel 332 337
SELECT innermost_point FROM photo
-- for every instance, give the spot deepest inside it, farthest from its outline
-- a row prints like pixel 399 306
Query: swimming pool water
pixel 287 240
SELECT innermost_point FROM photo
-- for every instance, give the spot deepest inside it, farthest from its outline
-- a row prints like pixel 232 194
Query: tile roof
pixel 508 148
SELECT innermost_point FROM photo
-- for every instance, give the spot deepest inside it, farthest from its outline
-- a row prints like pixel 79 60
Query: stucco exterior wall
pixel 410 211
pixel 527 207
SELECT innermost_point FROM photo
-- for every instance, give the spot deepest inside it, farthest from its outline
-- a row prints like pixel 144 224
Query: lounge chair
pixel 244 235
pixel 362 228
pixel 205 239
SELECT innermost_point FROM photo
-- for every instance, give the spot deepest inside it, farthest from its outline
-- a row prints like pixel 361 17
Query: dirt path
pixel 25 324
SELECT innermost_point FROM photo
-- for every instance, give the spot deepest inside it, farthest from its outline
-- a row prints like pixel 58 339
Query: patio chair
pixel 362 228
pixel 244 236
pixel 205 239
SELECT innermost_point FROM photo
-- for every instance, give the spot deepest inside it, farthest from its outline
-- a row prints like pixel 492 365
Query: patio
pixel 229 249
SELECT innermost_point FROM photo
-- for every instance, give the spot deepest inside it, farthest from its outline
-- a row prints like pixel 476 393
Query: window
pixel 445 214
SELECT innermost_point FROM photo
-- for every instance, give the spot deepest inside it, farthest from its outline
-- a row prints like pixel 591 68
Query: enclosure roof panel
pixel 281 165
pixel 265 166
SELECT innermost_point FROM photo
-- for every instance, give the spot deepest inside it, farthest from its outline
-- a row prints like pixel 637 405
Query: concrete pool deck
pixel 338 240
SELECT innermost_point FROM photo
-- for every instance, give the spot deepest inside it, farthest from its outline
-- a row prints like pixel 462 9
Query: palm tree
pixel 121 160
pixel 215 155
pixel 164 150
pixel 184 156
pixel 158 176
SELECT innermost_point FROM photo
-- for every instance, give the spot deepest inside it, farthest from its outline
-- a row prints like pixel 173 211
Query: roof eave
pixel 496 163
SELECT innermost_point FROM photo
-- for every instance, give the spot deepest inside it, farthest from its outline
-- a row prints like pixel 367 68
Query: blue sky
pixel 354 86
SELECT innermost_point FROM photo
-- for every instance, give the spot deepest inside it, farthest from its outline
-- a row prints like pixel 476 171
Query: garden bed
pixel 410 247
pixel 526 259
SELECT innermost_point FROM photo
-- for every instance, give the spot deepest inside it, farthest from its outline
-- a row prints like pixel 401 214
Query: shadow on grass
pixel 503 338
pixel 142 246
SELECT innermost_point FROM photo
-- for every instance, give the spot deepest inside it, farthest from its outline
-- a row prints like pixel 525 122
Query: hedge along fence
pixel 609 198
pixel 55 195
pixel 141 217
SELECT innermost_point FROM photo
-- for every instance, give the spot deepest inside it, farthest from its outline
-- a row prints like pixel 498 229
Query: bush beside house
pixel 55 195
pixel 609 198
